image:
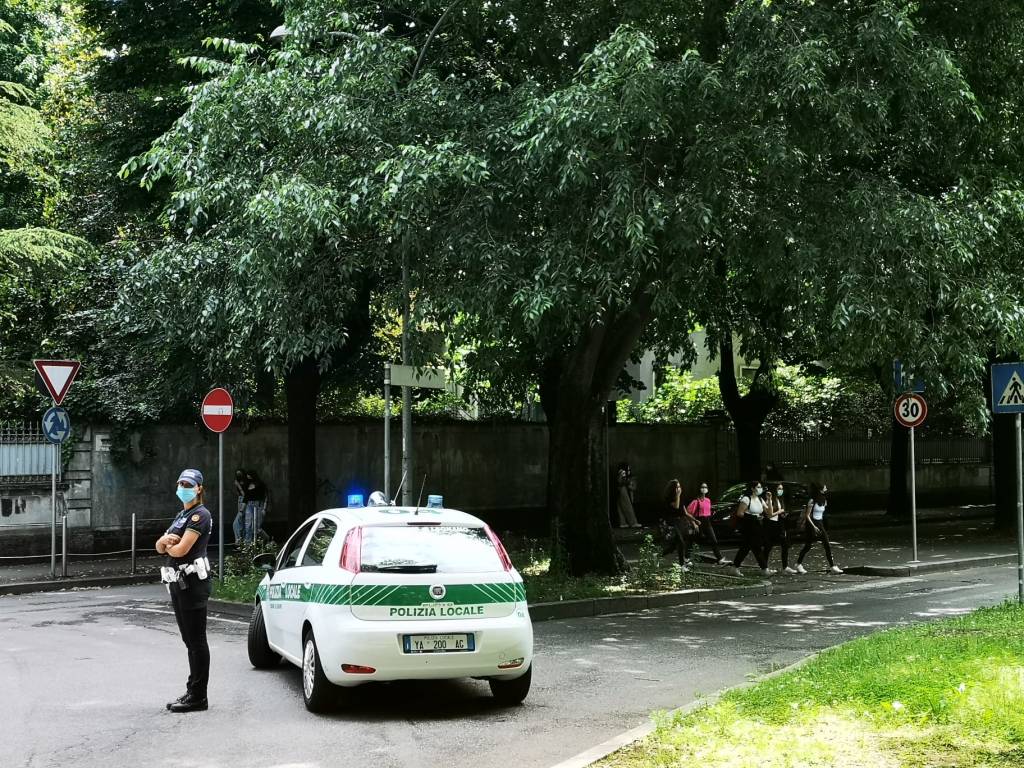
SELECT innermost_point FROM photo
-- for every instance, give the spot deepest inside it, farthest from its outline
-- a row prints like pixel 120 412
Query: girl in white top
pixel 749 512
pixel 813 524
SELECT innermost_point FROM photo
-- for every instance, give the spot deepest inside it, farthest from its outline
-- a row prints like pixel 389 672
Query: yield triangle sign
pixel 1013 394
pixel 57 375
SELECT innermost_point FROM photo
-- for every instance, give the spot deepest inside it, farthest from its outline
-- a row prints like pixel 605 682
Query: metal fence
pixel 25 454
pixel 844 451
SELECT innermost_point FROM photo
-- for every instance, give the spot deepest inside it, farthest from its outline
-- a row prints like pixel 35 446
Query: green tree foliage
pixel 770 171
pixel 41 270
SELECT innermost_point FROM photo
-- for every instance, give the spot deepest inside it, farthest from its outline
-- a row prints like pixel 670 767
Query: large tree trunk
pixel 578 492
pixel 899 491
pixel 574 393
pixel 748 412
pixel 302 387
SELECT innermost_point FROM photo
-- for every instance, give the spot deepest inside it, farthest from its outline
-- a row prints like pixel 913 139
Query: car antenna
pixel 399 491
pixel 422 486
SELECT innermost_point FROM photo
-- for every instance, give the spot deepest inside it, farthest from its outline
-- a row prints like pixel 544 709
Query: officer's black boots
pixel 188 703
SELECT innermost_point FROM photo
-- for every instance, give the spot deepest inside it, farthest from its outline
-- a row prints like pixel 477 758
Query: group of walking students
pixel 760 520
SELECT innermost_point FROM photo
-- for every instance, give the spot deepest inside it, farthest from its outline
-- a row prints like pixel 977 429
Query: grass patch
pixel 650 574
pixel 948 693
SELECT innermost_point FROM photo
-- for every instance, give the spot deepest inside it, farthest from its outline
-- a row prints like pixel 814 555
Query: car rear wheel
pixel 511 692
pixel 318 692
pixel 261 655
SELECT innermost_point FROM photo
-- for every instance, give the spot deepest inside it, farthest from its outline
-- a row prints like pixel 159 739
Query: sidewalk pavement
pixel 947 539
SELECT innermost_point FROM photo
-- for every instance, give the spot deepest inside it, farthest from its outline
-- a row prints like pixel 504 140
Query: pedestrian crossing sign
pixel 1008 388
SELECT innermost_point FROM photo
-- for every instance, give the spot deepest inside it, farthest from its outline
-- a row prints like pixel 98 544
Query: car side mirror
pixel 265 562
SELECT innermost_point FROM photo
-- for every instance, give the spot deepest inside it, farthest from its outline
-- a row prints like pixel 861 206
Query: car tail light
pixel 511 664
pixel 355 669
pixel 351 550
pixel 506 562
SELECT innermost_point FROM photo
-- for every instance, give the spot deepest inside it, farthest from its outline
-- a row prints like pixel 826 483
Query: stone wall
pixel 498 471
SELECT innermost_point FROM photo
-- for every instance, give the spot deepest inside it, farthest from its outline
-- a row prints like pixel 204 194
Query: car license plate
pixel 437 643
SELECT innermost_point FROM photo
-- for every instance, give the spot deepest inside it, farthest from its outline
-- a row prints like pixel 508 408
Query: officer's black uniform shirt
pixel 199 520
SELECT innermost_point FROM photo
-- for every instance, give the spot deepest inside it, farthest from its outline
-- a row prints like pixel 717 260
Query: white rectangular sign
pixel 429 378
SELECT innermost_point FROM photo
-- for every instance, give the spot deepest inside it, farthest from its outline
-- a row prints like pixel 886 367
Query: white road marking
pixel 882 584
pixel 171 613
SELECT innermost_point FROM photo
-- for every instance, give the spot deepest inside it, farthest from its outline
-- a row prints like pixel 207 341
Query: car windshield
pixel 428 549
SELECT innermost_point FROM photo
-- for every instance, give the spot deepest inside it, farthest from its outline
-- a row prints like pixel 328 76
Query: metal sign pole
pixel 1020 515
pixel 387 431
pixel 53 512
pixel 220 506
pixel 913 496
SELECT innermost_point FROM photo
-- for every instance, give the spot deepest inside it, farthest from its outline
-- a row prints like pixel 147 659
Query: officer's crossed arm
pixel 166 541
pixel 183 547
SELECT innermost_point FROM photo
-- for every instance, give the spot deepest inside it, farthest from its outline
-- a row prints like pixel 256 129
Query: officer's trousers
pixel 190 612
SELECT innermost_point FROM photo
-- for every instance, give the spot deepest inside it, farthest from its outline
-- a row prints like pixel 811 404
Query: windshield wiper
pixel 409 568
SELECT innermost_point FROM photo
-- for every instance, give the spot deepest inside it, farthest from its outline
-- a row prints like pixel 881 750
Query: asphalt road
pixel 84 677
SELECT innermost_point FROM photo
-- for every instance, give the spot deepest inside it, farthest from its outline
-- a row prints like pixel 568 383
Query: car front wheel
pixel 261 655
pixel 511 692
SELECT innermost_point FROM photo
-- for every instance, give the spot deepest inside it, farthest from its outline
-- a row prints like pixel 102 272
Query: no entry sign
pixel 911 410
pixel 218 410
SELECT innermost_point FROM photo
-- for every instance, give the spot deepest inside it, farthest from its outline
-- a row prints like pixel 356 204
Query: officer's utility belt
pixel 171 575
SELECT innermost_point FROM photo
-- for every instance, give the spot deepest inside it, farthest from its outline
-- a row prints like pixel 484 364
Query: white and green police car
pixel 364 594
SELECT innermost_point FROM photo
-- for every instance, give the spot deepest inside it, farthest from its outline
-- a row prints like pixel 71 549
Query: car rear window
pixel 452 548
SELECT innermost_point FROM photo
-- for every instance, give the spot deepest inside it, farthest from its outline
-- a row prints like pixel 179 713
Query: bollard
pixel 64 545
pixel 133 543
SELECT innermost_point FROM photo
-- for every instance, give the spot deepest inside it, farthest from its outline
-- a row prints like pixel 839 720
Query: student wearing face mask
pixel 750 511
pixel 187 576
pixel 700 510
pixel 775 527
pixel 813 523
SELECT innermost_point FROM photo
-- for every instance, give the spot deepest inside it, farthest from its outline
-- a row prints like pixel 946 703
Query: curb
pixel 604 606
pixel 228 608
pixel 940 565
pixel 625 739
pixel 26 587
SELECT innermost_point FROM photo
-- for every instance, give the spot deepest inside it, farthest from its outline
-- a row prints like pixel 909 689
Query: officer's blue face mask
pixel 187 495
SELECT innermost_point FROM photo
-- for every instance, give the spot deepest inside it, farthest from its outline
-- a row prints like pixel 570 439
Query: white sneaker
pixel 790 570
pixel 688 562
pixel 636 525
pixel 737 571
pixel 800 568
pixel 724 561
pixel 835 569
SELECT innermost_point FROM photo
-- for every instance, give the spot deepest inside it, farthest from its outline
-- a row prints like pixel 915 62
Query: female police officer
pixel 187 575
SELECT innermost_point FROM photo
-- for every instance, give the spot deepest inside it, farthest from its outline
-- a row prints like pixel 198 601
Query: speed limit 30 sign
pixel 911 410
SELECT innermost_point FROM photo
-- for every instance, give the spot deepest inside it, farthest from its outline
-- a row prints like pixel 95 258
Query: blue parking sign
pixel 1008 388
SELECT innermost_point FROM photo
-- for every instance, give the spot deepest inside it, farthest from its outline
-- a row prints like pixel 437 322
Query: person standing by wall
pixel 813 523
pixel 775 528
pixel 255 501
pixel 238 524
pixel 626 486
pixel 700 510
pixel 749 511
pixel 187 576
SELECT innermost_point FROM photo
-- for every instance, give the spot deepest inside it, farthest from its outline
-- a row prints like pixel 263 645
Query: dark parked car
pixel 794 499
